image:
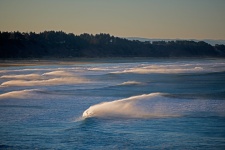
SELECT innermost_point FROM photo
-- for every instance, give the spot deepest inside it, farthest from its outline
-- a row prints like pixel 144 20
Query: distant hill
pixel 209 41
pixel 57 44
pixel 214 42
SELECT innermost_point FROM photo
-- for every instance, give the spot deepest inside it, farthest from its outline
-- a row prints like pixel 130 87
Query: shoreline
pixel 73 61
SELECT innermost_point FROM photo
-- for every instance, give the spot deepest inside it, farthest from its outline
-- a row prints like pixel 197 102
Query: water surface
pixel 114 104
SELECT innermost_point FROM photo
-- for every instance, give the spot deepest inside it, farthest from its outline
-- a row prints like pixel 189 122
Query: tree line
pixel 58 44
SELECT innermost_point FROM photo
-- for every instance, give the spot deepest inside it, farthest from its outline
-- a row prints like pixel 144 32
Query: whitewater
pixel 113 104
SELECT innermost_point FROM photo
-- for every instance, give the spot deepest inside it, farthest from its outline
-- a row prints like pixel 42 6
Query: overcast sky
pixel 170 19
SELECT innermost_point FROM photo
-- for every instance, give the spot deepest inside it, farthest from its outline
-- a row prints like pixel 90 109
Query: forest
pixel 58 44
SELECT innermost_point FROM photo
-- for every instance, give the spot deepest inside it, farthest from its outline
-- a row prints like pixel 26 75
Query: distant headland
pixel 58 44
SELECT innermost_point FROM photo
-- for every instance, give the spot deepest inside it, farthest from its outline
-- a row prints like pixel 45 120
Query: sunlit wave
pixel 154 105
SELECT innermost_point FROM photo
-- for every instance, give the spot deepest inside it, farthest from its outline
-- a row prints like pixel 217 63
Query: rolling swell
pixel 220 95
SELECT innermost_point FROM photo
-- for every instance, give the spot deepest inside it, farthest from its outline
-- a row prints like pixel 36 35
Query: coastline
pixel 73 61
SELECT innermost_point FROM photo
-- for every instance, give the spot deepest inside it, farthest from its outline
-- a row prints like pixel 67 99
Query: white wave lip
pixel 162 69
pixel 47 82
pixel 171 68
pixel 131 83
pixel 132 107
pixel 21 76
pixel 58 73
pixel 97 69
pixel 154 105
pixel 58 77
pixel 18 94
pixel 36 76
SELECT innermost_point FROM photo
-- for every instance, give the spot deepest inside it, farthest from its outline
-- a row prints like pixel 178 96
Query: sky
pixel 163 19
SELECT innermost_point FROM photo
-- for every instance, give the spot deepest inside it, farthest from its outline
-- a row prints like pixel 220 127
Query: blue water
pixel 114 104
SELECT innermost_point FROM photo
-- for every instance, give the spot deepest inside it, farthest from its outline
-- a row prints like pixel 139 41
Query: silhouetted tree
pixel 59 44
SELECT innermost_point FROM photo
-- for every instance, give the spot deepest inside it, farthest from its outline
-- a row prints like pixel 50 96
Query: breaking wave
pixel 22 76
pixel 182 68
pixel 154 105
pixel 132 107
pixel 131 83
pixel 97 69
pixel 58 73
pixel 47 82
pixel 18 94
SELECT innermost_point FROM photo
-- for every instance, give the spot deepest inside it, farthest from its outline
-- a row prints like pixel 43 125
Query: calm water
pixel 118 104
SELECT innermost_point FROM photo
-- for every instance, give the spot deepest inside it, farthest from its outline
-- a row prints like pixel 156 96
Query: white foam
pixel 131 83
pixel 155 105
pixel 53 81
pixel 161 69
pixel 25 70
pixel 97 69
pixel 17 94
pixel 132 107
pixel 21 76
pixel 174 68
pixel 58 73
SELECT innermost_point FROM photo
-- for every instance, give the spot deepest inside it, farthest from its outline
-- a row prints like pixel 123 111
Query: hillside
pixel 52 44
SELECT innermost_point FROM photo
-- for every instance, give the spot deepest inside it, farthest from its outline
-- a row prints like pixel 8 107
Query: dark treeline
pixel 51 44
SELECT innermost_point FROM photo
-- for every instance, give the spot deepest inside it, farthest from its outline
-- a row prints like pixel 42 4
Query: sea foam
pixel 155 105
pixel 21 76
pixel 140 106
pixel 58 73
pixel 18 94
pixel 131 83
pixel 47 82
pixel 173 68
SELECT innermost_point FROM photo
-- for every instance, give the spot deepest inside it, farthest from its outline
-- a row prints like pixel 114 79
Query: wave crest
pixel 18 94
pixel 21 76
pixel 47 82
pixel 155 105
pixel 58 73
pixel 131 83
pixel 133 107
pixel 173 68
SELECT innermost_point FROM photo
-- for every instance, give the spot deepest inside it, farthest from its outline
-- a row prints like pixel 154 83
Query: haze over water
pixel 114 104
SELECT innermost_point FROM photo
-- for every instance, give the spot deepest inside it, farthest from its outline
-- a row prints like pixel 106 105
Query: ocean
pixel 113 104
